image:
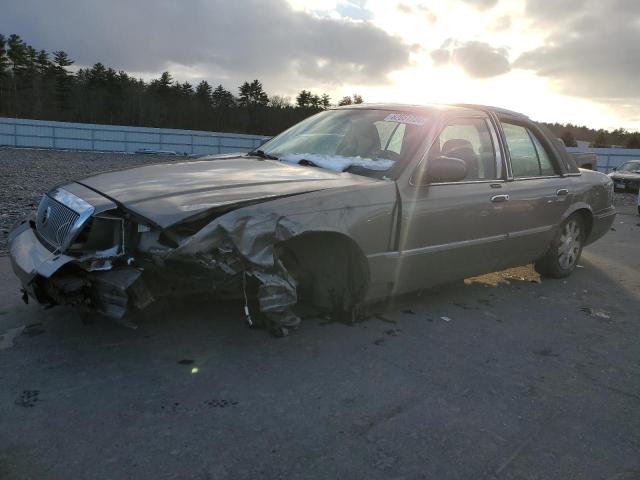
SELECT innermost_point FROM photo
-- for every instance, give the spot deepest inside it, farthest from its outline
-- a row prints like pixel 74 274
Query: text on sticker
pixel 405 118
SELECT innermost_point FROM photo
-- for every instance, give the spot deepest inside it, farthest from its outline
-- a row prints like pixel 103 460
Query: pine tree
pixel 325 101
pixel 303 99
pixel 43 64
pixel 568 139
pixel 203 93
pixel 222 98
pixel 345 101
pixel 633 141
pixel 4 60
pixel 600 141
pixel 357 99
pixel 252 94
pixel 16 53
pixel 186 89
pixel 4 70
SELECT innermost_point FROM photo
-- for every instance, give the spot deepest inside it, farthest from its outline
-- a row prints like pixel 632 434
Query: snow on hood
pixel 338 163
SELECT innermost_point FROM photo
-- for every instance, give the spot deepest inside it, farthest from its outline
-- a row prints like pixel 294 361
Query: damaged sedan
pixel 351 206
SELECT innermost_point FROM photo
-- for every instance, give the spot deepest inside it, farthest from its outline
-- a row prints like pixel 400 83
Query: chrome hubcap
pixel 569 245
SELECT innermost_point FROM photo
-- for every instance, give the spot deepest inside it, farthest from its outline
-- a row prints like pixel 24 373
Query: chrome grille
pixel 60 216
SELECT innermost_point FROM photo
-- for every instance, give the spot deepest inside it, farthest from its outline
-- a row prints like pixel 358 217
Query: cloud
pixel 482 4
pixel 500 24
pixel 477 59
pixel 417 10
pixel 592 47
pixel 237 40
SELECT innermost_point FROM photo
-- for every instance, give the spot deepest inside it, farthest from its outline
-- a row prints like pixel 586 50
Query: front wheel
pixel 562 257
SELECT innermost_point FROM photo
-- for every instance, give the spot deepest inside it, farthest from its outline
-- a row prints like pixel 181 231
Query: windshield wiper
pixel 308 163
pixel 261 154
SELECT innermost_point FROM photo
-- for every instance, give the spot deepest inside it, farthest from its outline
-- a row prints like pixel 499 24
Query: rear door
pixel 538 194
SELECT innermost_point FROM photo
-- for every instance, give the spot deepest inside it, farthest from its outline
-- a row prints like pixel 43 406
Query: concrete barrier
pixel 111 138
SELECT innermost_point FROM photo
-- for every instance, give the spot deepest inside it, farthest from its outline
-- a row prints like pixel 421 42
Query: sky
pixel 572 61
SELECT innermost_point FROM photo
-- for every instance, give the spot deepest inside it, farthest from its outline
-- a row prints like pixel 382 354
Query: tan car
pixel 350 206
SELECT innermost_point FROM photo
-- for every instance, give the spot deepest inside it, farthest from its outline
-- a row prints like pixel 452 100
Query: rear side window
pixel 528 156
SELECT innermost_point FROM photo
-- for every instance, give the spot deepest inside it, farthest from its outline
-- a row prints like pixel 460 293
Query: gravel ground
pixel 28 173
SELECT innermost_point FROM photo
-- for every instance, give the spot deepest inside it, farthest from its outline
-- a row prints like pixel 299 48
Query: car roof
pixel 434 107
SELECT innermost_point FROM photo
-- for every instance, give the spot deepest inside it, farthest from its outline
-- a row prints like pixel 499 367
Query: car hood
pixel 168 193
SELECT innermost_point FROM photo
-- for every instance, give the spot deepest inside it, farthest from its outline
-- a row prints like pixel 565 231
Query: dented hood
pixel 168 193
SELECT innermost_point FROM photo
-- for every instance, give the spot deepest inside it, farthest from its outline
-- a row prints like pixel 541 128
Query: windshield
pixel 365 142
pixel 630 167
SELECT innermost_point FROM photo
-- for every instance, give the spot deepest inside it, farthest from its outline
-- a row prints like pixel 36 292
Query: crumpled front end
pixel 73 252
pixel 102 258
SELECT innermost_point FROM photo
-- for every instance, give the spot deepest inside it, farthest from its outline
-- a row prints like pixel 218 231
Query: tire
pixel 564 252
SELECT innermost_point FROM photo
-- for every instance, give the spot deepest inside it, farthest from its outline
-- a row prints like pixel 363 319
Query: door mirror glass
pixel 446 169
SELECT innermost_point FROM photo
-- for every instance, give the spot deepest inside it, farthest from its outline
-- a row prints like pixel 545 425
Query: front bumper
pixel 629 184
pixel 52 278
pixel 30 259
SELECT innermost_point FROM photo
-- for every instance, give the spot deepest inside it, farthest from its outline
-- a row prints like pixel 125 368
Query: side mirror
pixel 446 169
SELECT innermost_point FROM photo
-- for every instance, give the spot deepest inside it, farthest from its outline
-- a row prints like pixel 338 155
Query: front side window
pixel 468 140
pixel 528 156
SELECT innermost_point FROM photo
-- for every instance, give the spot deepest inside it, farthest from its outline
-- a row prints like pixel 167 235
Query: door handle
pixel 562 192
pixel 499 198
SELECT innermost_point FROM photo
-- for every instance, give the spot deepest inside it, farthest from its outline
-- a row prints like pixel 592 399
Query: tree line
pixel 40 85
pixel 570 134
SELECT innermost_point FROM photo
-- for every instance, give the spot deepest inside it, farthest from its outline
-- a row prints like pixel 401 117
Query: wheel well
pixel 587 219
pixel 329 267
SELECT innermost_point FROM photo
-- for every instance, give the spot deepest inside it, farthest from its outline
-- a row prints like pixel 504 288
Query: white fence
pixel 609 158
pixel 111 138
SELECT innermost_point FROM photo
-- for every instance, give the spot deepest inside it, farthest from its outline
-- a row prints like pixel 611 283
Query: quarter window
pixel 528 156
pixel 468 140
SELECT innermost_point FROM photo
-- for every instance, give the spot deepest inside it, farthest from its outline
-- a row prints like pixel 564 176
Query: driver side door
pixel 451 230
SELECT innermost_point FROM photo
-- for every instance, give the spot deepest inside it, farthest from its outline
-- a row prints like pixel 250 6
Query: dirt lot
pixel 499 377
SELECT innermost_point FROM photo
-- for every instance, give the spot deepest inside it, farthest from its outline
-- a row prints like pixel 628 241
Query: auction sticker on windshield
pixel 406 118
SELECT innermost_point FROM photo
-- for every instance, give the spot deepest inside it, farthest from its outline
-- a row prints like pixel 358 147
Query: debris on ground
pixel 392 332
pixel 223 403
pixel 595 312
pixel 526 273
pixel 6 339
pixel 185 361
pixel 446 319
pixel 461 305
pixel 33 329
pixel 545 352
pixel 384 319
pixel 27 398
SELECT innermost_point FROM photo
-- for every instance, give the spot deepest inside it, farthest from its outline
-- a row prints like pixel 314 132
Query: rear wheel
pixel 565 250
